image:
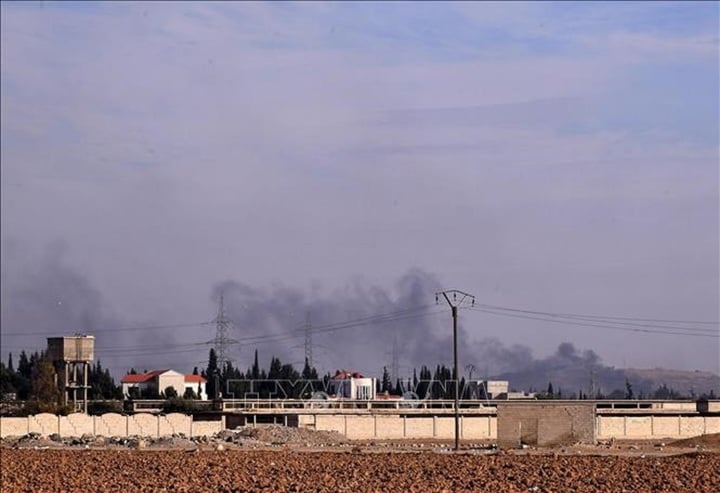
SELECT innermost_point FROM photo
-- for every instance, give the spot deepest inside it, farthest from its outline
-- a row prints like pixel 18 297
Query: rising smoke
pixel 50 298
pixel 272 321
pixel 354 327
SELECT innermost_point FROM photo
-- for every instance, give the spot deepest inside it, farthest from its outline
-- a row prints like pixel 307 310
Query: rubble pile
pixel 246 437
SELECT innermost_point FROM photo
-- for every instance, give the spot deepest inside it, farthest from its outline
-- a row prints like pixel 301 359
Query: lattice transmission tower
pixel 308 341
pixel 222 341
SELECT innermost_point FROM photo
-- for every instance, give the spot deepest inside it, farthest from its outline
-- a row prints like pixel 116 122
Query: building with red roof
pixel 352 385
pixel 156 382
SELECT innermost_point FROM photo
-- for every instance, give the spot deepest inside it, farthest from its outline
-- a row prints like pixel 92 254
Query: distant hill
pixel 572 379
pixel 685 382
pixel 572 371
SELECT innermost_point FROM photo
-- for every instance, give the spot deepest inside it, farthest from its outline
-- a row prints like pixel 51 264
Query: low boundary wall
pixel 655 427
pixel 383 426
pixel 393 426
pixel 110 424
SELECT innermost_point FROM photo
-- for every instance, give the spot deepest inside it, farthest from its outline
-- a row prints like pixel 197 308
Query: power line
pixel 658 330
pixel 378 318
pixel 129 349
pixel 603 317
pixel 295 334
pixel 149 353
pixel 117 329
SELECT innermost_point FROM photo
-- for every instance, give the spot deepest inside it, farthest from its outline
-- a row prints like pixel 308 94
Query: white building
pixel 351 385
pixel 156 381
pixel 490 389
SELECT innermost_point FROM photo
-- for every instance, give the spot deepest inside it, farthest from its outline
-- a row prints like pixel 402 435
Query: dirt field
pixel 105 470
pixel 278 459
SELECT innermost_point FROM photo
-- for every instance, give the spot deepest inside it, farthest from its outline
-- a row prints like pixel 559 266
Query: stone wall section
pixel 76 425
pixel 44 423
pixel 174 424
pixel 13 427
pixel 655 427
pixel 108 425
pixel 143 424
pixel 206 428
pixel 111 425
pixel 419 427
pixel 545 424
pixel 541 424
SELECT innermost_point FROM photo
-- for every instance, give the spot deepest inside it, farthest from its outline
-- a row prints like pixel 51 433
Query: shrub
pixel 97 408
pixel 179 405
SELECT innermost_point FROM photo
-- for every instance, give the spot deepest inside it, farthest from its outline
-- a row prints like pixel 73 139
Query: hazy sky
pixel 350 159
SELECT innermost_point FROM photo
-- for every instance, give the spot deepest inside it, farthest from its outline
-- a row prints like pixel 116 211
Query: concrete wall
pixel 142 424
pixel 44 423
pixel 393 426
pixel 175 423
pixel 206 428
pixel 110 424
pixel 545 423
pixel 76 425
pixel 655 427
pixel 11 427
pixel 541 426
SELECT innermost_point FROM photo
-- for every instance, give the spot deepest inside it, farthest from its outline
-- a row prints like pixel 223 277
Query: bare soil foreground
pixel 279 459
pixel 104 470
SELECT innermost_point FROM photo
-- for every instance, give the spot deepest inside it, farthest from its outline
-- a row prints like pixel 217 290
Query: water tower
pixel 69 354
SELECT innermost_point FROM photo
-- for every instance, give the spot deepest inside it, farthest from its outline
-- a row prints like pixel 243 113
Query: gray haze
pixel 349 160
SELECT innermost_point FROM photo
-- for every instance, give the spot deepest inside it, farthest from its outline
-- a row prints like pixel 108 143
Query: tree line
pixel 32 379
pixel 34 382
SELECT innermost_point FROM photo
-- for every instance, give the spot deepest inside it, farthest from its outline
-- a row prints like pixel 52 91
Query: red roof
pixel 346 375
pixel 134 378
pixel 195 379
pixel 146 377
pixel 142 377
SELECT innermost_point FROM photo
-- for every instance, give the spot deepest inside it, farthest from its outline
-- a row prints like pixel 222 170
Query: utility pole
pixel 395 369
pixel 451 296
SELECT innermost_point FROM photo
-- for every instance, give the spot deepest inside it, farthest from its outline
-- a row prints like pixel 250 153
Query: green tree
pixel 309 373
pixel 397 390
pixel 102 385
pixel 255 371
pixel 7 381
pixel 386 385
pixel 23 377
pixel 212 373
pixel 275 369
pixel 288 372
pixel 628 390
pixel 170 392
pixel 45 393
